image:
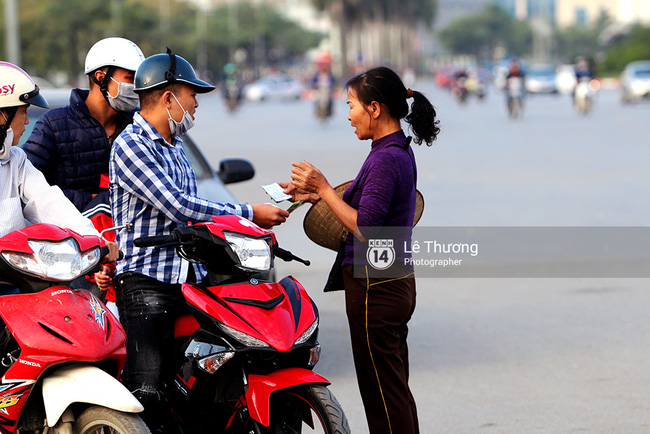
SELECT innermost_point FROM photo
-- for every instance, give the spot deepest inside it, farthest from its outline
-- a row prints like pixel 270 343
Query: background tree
pixel 608 45
pixel 629 47
pixel 379 31
pixel 260 29
pixel 579 40
pixel 56 35
pixel 482 33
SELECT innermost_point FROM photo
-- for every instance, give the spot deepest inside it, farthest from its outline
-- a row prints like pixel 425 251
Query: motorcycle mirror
pixel 128 227
pixel 233 170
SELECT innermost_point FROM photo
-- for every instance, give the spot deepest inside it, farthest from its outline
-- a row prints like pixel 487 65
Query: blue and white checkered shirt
pixel 153 187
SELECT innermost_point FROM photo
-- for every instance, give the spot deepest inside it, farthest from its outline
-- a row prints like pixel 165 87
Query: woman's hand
pixel 308 179
pixel 104 278
pixel 297 196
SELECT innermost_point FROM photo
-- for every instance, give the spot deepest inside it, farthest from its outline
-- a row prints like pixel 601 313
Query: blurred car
pixel 211 184
pixel 565 77
pixel 276 86
pixel 55 95
pixel 541 79
pixel 635 81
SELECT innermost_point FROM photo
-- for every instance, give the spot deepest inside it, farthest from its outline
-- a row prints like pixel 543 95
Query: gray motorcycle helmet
pixel 167 68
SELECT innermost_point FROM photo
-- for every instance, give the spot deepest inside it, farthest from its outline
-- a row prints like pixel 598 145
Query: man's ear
pixel 99 74
pixel 166 99
pixel 97 77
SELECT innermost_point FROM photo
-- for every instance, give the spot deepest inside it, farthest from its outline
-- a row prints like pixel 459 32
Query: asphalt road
pixel 548 355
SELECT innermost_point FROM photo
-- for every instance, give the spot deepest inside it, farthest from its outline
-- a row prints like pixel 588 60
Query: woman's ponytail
pixel 422 119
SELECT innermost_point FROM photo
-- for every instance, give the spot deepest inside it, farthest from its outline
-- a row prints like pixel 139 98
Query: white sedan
pixel 277 86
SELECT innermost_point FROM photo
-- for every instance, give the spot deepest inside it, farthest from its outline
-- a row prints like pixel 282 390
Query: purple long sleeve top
pixel 383 192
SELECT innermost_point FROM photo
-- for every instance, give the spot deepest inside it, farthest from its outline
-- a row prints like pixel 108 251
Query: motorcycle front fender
pixel 84 383
pixel 260 388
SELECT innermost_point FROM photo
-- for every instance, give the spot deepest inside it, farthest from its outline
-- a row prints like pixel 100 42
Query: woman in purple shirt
pixel 381 196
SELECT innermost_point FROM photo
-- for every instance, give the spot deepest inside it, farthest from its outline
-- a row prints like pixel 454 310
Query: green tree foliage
pixel 56 35
pixel 257 29
pixel 53 33
pixel 481 33
pixel 608 54
pixel 633 46
pixel 580 40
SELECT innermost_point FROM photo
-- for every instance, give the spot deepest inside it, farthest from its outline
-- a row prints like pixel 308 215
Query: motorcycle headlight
pixel 60 261
pixel 243 338
pixel 253 253
pixel 307 334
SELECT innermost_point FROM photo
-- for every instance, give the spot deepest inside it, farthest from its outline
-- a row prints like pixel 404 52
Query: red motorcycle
pixel 246 350
pixel 61 351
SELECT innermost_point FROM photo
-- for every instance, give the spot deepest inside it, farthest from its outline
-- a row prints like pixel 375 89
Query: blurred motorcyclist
pixel 476 83
pixel 514 87
pixel 583 69
pixel 459 85
pixel 514 71
pixel 231 91
pixel 323 83
pixel 583 72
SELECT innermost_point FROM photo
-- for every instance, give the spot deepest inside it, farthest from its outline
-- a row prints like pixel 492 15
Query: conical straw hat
pixel 326 230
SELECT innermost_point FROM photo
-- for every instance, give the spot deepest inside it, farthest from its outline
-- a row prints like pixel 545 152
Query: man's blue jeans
pixel 148 309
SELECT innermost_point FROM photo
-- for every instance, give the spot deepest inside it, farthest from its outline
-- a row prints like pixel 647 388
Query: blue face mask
pixel 180 128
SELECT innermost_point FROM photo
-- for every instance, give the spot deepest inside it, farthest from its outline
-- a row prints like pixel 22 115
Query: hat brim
pixel 325 229
pixel 200 86
pixel 38 100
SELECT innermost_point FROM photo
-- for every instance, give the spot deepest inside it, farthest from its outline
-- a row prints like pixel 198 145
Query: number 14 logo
pixel 380 254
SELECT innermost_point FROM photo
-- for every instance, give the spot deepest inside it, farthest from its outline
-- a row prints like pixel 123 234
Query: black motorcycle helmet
pixel 167 68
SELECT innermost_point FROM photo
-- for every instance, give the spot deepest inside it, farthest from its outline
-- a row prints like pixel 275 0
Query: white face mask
pixel 126 99
pixel 180 128
pixel 7 144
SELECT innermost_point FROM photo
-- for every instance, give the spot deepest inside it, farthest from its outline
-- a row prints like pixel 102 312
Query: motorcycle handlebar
pixel 103 251
pixel 158 240
pixel 153 241
pixel 287 256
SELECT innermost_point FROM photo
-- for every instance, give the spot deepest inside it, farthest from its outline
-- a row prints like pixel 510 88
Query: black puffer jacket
pixel 70 147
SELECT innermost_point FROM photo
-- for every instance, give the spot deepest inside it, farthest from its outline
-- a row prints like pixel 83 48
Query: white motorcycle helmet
pixel 114 51
pixel 17 88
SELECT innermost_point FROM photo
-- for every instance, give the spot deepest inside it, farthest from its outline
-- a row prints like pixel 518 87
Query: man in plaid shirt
pixel 153 187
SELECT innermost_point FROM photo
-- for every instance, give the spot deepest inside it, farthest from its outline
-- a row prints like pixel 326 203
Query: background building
pixel 450 10
pixel 564 13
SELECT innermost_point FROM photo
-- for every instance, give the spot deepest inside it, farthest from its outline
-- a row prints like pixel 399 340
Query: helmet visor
pixel 200 86
pixel 35 98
